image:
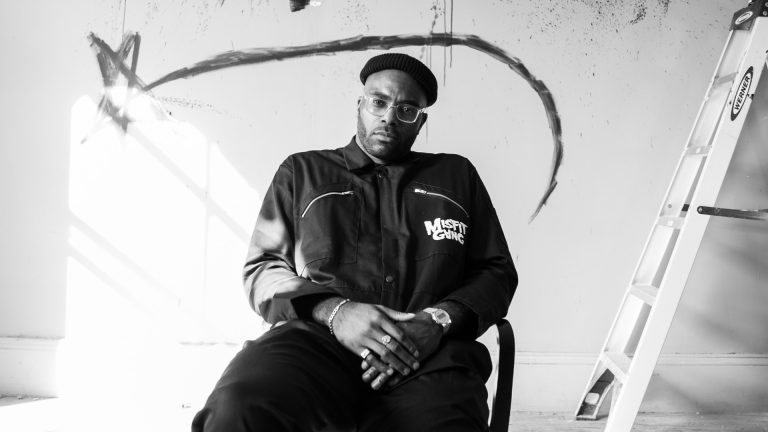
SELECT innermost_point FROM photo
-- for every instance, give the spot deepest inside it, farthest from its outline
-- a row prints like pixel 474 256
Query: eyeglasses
pixel 404 112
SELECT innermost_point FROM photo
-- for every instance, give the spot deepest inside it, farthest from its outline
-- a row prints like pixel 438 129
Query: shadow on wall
pixel 156 217
pixel 739 323
pixel 157 235
pixel 707 386
pixel 730 268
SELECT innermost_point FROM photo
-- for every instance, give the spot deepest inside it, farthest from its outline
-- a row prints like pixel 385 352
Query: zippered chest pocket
pixel 439 221
pixel 328 225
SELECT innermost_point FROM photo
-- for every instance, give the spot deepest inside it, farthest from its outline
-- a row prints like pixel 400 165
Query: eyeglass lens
pixel 404 112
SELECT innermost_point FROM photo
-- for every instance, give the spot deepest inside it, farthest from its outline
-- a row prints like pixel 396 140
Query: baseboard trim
pixel 28 365
pixel 706 382
pixel 693 359
pixel 696 382
pixel 29 344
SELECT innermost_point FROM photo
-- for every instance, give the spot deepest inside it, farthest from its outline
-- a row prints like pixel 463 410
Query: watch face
pixel 441 316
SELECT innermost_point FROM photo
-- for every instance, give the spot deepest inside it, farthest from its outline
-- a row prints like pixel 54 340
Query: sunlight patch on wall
pixel 158 231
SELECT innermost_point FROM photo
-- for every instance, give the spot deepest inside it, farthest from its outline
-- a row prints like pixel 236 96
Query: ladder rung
pixel 725 79
pixel 671 222
pixel 646 293
pixel 698 150
pixel 618 363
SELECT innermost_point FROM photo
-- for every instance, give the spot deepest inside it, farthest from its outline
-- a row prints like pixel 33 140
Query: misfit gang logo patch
pixel 446 229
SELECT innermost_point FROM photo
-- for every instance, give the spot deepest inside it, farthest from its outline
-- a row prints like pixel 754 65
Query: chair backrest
pixel 500 341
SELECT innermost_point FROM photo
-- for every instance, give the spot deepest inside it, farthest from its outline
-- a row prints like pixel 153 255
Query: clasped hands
pixel 392 344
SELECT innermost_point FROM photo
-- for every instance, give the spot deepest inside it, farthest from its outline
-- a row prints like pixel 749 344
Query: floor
pixel 26 414
pixel 646 422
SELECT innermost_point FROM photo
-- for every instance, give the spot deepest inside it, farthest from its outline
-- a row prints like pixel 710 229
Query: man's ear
pixel 424 117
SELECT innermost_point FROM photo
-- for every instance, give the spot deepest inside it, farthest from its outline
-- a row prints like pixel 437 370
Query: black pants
pixel 297 377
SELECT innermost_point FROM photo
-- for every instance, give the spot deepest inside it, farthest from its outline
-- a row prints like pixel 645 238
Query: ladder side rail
pixel 729 65
pixel 683 257
pixel 720 70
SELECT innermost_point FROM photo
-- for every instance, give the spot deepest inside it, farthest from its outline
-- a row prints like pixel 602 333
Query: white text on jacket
pixel 441 229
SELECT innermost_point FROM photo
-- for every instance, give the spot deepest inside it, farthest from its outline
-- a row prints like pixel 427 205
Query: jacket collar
pixel 356 159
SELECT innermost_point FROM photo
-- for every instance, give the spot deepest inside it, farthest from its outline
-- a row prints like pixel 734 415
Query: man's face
pixel 386 137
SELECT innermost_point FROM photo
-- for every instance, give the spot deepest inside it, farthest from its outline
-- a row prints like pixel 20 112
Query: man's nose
pixel 389 116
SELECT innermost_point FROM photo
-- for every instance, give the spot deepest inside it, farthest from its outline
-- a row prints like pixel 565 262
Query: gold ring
pixel 366 352
pixel 386 339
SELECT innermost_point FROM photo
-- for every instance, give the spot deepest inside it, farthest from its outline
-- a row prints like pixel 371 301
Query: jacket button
pixel 389 279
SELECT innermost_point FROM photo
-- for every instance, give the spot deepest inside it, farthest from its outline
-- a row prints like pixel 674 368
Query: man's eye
pixel 408 109
pixel 379 103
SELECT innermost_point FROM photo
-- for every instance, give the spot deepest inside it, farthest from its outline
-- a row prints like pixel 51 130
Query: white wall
pixel 133 242
pixel 39 81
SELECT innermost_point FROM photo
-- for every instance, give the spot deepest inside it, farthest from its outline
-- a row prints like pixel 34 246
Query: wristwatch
pixel 440 317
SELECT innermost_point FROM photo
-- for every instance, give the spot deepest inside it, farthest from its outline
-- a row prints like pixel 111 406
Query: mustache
pixel 386 130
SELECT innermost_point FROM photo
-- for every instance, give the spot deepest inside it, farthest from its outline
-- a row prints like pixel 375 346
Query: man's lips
pixel 385 134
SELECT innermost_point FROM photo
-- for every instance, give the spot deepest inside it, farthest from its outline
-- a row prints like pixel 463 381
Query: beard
pixel 384 142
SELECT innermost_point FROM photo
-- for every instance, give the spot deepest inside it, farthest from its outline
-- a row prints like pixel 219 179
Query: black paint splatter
pixel 360 43
pixel 664 5
pixel 613 15
pixel 356 13
pixel 114 71
pixel 640 12
pixel 189 103
pixel 297 5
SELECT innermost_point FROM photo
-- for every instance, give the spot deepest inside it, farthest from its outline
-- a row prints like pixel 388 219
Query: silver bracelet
pixel 333 314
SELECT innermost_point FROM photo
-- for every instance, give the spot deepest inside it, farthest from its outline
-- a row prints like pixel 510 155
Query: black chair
pixel 505 367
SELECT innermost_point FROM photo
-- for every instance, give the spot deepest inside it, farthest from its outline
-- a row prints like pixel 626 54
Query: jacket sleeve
pixel 270 278
pixel 491 277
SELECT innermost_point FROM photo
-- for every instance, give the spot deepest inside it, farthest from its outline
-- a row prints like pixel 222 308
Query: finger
pixel 402 338
pixel 364 365
pixel 395 363
pixel 397 357
pixel 396 315
pixel 394 380
pixel 384 354
pixel 370 374
pixel 379 381
pixel 379 365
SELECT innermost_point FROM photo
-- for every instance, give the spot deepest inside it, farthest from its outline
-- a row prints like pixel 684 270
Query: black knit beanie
pixel 416 69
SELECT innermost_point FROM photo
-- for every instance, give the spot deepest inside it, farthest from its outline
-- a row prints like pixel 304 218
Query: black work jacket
pixel 405 235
